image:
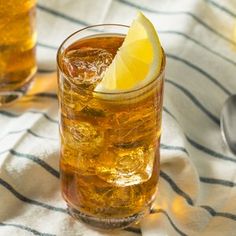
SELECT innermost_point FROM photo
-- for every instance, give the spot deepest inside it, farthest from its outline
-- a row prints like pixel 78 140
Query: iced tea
pixel 109 145
pixel 17 48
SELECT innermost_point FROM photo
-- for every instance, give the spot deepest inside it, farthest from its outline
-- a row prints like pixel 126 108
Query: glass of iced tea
pixel 109 157
pixel 17 48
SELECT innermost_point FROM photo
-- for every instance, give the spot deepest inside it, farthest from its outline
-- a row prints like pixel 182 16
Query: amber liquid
pixel 109 148
pixel 17 46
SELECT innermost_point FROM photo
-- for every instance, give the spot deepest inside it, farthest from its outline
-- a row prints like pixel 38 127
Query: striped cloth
pixel 197 186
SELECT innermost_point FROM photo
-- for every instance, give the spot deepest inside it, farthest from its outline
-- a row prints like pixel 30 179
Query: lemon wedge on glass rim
pixel 138 61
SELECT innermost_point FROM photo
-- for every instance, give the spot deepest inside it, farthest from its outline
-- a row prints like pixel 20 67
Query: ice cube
pixel 126 167
pixel 84 137
pixel 81 144
pixel 86 65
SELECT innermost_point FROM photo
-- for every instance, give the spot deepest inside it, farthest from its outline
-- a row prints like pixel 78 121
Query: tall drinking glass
pixel 109 158
pixel 17 48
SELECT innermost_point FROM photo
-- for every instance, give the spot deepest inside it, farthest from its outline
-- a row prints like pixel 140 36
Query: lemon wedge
pixel 137 62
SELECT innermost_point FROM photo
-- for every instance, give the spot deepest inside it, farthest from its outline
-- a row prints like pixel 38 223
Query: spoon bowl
pixel 228 123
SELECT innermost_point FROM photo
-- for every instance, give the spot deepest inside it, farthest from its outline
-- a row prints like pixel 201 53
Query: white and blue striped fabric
pixel 197 186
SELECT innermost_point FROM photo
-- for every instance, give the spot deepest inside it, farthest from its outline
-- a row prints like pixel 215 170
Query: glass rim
pixel 117 92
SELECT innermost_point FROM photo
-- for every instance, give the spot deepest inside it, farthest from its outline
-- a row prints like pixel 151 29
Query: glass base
pixel 103 223
pixel 7 97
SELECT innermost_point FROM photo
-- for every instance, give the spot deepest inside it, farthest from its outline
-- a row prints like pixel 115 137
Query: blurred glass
pixel 17 48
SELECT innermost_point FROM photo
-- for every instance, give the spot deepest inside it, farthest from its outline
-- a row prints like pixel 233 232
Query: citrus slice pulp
pixel 137 62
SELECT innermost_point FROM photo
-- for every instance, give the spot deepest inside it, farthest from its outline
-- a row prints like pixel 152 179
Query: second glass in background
pixel 17 48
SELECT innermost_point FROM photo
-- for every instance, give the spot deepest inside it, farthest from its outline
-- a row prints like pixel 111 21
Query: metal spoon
pixel 228 123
